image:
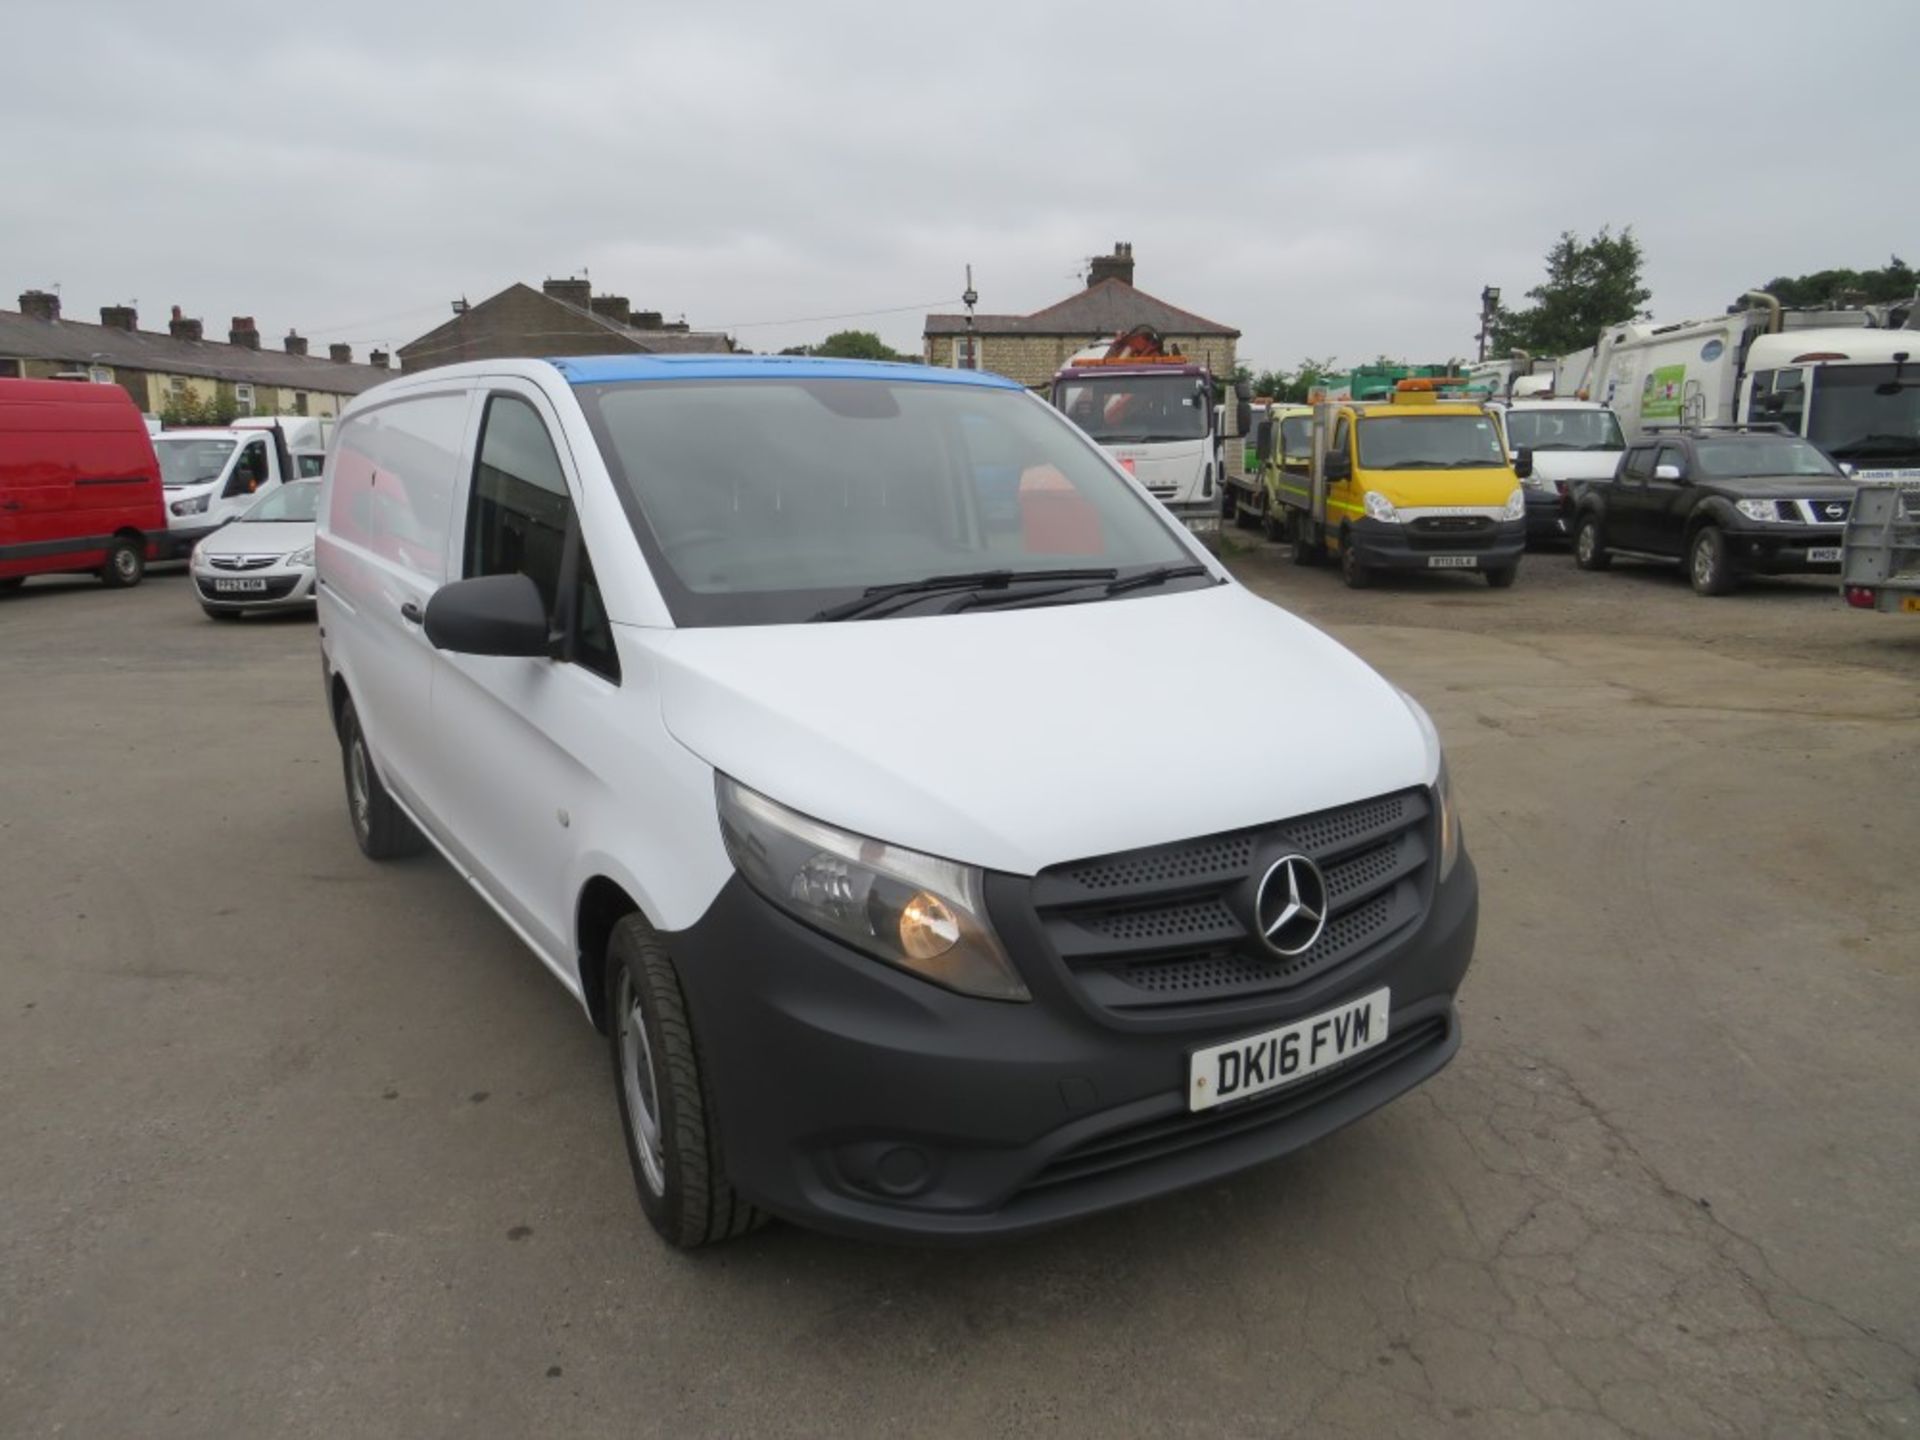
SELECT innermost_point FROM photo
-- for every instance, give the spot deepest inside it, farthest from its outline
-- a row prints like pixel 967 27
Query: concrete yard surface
pixel 293 1144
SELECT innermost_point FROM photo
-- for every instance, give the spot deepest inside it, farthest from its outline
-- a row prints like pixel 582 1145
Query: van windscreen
pixel 761 502
pixel 190 459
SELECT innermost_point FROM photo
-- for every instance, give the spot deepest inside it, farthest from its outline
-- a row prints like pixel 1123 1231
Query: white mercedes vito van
pixel 817 724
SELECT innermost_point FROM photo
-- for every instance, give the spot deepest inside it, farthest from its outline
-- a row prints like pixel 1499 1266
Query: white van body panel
pixel 221 507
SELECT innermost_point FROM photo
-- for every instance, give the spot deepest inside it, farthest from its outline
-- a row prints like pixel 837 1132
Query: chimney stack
pixel 574 292
pixel 615 307
pixel 119 317
pixel 1117 266
pixel 646 320
pixel 295 343
pixel 377 359
pixel 182 328
pixel 244 332
pixel 40 305
pixel 340 354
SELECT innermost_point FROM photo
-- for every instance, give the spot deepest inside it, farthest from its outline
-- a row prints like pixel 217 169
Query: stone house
pixel 38 342
pixel 1029 348
pixel 562 317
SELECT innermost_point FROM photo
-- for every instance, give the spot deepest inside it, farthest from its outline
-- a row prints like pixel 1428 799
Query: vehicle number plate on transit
pixel 1453 562
pixel 246 584
pixel 1293 1052
pixel 1823 554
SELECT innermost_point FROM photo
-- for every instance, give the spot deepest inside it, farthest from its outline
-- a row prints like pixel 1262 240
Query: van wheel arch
pixel 603 905
pixel 337 697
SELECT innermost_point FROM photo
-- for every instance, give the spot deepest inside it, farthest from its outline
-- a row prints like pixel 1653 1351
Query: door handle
pixel 410 612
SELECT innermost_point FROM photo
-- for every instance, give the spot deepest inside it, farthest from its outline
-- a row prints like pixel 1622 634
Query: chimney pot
pixel 615 307
pixel 296 343
pixel 377 359
pixel 646 320
pixel 244 332
pixel 574 292
pixel 341 354
pixel 119 317
pixel 40 305
pixel 1117 266
pixel 182 328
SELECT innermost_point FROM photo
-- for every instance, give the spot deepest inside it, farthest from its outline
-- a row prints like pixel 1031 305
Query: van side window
pixel 518 523
pixel 517 519
pixel 1639 463
pixel 1338 444
pixel 1671 455
pixel 249 471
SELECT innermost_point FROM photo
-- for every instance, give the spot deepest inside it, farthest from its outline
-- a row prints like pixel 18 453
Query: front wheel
pixel 666 1103
pixel 1589 553
pixel 1708 566
pixel 382 831
pixel 126 563
pixel 1353 569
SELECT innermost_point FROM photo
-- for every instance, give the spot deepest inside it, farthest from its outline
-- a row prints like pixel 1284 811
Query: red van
pixel 79 484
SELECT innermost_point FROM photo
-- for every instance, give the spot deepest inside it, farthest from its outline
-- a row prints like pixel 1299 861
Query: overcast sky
pixel 1329 184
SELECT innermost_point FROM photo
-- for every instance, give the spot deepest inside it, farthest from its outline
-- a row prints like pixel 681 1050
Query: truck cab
pixel 1417 483
pixel 1569 441
pixel 212 475
pixel 1157 416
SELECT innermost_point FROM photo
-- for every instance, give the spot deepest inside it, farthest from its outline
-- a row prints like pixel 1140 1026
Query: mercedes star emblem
pixel 1291 905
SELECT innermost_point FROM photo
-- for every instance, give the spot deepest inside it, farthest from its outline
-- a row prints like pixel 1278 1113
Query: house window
pixel 177 384
pixel 299 402
pixel 960 360
pixel 10 369
pixel 243 398
pixel 100 375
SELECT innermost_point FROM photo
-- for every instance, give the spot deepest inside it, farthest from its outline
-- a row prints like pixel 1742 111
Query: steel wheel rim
pixel 359 791
pixel 642 1091
pixel 1584 544
pixel 1703 562
pixel 123 563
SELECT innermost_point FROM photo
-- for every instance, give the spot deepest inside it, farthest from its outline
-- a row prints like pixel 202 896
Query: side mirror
pixel 1667 472
pixel 1339 465
pixel 488 615
pixel 1263 441
pixel 1773 404
pixel 1523 462
pixel 1243 389
pixel 1243 417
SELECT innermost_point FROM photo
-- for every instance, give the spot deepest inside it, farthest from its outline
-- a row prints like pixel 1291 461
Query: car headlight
pixel 1380 508
pixel 1761 510
pixel 195 506
pixel 1516 507
pixel 300 559
pixel 1449 820
pixel 922 914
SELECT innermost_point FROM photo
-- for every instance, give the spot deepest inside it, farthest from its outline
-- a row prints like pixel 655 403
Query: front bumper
pixel 286 589
pixel 1394 546
pixel 855 1098
pixel 1782 549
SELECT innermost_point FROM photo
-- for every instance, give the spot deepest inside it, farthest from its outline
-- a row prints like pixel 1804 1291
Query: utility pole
pixel 969 297
pixel 1489 307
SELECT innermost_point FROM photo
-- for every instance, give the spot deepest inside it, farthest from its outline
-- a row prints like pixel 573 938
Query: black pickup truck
pixel 1725 501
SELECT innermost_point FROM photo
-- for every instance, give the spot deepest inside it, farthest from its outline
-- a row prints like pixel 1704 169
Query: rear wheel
pixel 12 582
pixel 1353 569
pixel 1305 548
pixel 382 831
pixel 1589 551
pixel 1708 565
pixel 1273 520
pixel 666 1103
pixel 126 563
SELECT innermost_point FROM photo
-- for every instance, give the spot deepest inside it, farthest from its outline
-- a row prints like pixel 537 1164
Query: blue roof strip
pixel 608 369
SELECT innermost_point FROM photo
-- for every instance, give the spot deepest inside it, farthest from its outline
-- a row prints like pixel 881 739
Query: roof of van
pixel 603 369
pixel 65 392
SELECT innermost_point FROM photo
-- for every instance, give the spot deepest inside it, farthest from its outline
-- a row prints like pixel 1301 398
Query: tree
pixel 183 407
pixel 1291 387
pixel 1590 285
pixel 856 345
pixel 1897 280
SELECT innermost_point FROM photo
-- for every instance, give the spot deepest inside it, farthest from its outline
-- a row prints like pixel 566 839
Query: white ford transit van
pixel 814 722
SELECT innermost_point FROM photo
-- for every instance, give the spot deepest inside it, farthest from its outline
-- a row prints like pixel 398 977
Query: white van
pixel 212 476
pixel 810 721
pixel 1568 441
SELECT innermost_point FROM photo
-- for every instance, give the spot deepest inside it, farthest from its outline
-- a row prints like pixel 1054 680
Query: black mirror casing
pixel 1523 462
pixel 1243 417
pixel 489 615
pixel 1263 441
pixel 1339 465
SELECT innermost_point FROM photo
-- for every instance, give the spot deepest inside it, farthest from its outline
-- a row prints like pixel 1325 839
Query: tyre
pixel 126 562
pixel 1708 565
pixel 666 1104
pixel 1502 576
pixel 1229 503
pixel 214 612
pixel 1273 525
pixel 1589 550
pixel 382 831
pixel 1303 547
pixel 12 582
pixel 1353 569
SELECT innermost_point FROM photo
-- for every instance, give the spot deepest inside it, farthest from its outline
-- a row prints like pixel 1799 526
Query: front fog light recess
pixel 917 912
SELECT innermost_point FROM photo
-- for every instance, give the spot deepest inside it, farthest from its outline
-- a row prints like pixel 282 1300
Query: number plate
pixel 223 583
pixel 1823 554
pixel 1280 1057
pixel 1453 562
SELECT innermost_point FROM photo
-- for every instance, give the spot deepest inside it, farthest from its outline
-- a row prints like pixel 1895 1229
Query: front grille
pixel 1173 925
pixel 241 562
pixel 1167 1135
pixel 1452 532
pixel 278 588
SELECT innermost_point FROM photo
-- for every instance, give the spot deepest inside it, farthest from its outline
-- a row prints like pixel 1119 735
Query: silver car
pixel 263 560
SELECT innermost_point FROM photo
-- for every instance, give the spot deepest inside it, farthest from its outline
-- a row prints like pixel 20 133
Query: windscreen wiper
pixel 1023 599
pixel 877 595
pixel 1158 576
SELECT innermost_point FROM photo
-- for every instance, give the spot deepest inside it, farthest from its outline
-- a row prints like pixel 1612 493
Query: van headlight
pixel 1516 506
pixel 1380 508
pixel 917 912
pixel 1449 820
pixel 195 506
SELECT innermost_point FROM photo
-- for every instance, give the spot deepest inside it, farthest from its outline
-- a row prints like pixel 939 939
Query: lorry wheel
pixel 382 831
pixel 1589 552
pixel 1228 503
pixel 1502 576
pixel 1306 551
pixel 1273 526
pixel 126 563
pixel 666 1104
pixel 1708 565
pixel 1353 569
pixel 12 582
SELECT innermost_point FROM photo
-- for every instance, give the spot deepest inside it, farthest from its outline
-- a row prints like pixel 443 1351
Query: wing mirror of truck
pixel 1242 417
pixel 488 615
pixel 1523 462
pixel 1667 472
pixel 1339 465
pixel 1263 441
